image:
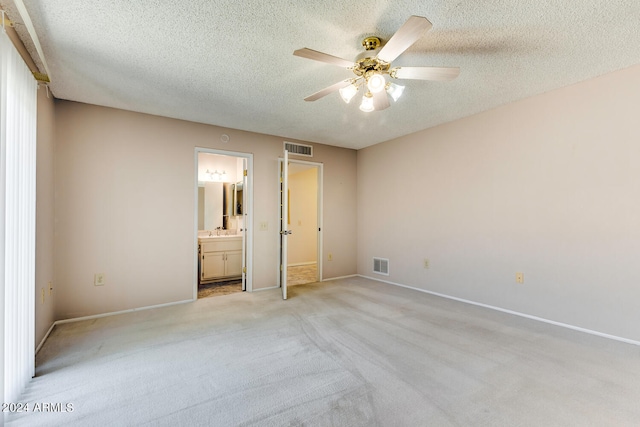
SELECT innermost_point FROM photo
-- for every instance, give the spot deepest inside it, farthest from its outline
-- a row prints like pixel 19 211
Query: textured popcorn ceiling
pixel 230 63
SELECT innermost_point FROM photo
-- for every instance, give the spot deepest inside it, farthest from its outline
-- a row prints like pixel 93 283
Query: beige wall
pixel 125 205
pixel 303 209
pixel 547 186
pixel 44 311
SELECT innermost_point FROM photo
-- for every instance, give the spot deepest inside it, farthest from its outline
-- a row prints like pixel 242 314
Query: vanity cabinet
pixel 220 258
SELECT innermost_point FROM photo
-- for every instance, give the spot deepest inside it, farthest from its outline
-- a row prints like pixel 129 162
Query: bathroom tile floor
pixel 296 275
pixel 215 289
pixel 301 274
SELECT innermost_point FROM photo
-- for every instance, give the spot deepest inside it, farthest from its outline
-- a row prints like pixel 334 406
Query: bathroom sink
pixel 222 236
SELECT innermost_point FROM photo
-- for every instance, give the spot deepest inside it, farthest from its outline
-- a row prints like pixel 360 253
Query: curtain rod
pixel 26 19
pixel 8 26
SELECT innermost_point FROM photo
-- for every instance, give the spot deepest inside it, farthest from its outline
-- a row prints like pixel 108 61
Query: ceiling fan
pixel 371 66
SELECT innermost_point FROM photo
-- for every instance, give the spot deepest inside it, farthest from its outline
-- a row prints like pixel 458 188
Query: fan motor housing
pixel 367 62
pixel 371 43
pixel 370 65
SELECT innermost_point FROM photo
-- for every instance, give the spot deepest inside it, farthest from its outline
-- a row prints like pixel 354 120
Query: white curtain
pixel 18 109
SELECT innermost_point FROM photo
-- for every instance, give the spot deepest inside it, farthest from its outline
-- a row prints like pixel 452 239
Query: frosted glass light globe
pixel 376 83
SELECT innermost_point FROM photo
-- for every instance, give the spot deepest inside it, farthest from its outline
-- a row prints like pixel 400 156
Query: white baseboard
pixel 515 313
pixel 323 280
pixel 340 277
pixel 298 264
pixel 265 289
pixel 114 313
pixel 97 316
pixel 45 337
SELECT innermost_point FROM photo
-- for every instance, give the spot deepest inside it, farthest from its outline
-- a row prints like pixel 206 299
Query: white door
pixel 284 219
pixel 244 223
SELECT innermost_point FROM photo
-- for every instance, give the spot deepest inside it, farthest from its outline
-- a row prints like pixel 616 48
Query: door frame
pixel 320 196
pixel 247 222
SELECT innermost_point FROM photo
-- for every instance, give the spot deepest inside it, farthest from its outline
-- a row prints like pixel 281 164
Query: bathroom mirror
pixel 216 202
pixel 237 199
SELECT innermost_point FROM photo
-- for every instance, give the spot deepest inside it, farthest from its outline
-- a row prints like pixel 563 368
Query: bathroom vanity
pixel 220 257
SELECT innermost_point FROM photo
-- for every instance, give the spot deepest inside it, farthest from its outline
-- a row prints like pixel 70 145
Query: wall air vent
pixel 298 149
pixel 381 266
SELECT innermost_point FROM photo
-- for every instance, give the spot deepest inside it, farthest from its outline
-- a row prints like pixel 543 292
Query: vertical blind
pixel 18 109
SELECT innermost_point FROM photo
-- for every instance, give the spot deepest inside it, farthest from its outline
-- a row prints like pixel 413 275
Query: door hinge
pixel 245 172
pixel 244 270
pixel 280 267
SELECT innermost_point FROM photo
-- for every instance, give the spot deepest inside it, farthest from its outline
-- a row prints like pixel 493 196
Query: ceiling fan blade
pixel 327 90
pixel 380 100
pixel 407 35
pixel 425 73
pixel 322 57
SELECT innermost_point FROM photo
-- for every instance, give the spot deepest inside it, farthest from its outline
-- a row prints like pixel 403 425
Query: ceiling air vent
pixel 298 149
pixel 381 266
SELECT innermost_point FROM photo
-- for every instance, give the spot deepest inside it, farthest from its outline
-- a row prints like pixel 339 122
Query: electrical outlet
pixel 426 263
pixel 330 256
pixel 98 279
pixel 264 226
pixel 519 277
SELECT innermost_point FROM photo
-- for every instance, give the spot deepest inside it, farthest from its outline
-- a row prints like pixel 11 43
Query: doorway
pixel 303 218
pixel 223 211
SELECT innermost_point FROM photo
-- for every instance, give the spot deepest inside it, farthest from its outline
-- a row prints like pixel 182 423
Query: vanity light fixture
pixel 216 176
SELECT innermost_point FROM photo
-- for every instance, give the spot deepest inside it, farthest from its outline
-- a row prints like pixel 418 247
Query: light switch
pixel 98 279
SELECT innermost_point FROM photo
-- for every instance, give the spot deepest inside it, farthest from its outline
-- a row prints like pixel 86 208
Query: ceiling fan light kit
pixel 371 66
pixel 348 92
pixel 367 103
pixel 394 90
pixel 376 82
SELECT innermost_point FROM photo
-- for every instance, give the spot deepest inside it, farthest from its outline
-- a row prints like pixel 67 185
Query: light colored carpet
pixel 350 352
